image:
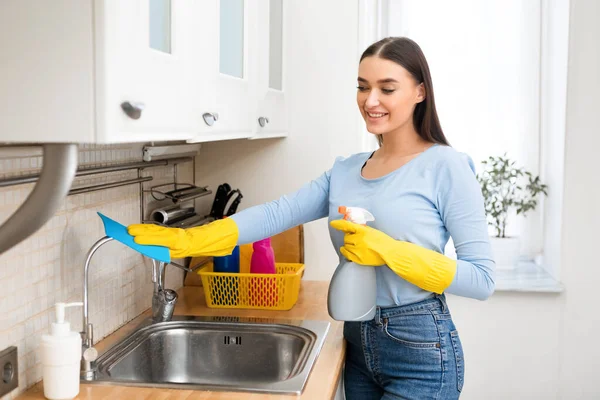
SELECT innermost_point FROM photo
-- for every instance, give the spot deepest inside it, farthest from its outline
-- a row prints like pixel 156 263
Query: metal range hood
pixel 56 177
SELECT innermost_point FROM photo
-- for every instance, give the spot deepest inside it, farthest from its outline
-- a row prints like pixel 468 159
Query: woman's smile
pixel 375 116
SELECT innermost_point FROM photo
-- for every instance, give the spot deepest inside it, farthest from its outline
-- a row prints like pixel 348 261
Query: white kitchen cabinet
pixel 154 52
pixel 105 71
pixel 108 71
pixel 249 89
pixel 271 107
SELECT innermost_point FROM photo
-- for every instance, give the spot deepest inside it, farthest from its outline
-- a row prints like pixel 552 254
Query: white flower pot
pixel 506 251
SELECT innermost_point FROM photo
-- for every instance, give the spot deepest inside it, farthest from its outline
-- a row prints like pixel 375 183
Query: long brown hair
pixel 408 54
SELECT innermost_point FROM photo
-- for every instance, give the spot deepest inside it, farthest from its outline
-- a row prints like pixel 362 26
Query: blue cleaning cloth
pixel 118 232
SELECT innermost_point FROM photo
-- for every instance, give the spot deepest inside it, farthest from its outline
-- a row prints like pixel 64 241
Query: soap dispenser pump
pixel 61 357
pixel 352 294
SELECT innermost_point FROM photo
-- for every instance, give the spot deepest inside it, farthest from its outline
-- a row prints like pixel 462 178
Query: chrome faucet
pixel 163 304
pixel 163 300
pixel 88 353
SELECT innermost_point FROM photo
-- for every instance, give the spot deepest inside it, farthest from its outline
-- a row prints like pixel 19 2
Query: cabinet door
pixel 271 107
pixel 46 71
pixel 233 77
pixel 145 71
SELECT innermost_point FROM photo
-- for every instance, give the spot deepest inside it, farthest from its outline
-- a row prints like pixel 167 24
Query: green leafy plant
pixel 506 187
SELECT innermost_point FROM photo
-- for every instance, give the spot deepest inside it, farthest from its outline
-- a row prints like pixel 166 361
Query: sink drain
pixel 232 340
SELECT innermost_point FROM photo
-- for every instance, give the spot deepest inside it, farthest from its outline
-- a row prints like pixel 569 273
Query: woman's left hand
pixel 362 244
pixel 422 267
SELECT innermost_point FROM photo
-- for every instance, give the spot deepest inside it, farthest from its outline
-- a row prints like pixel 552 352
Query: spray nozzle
pixel 356 214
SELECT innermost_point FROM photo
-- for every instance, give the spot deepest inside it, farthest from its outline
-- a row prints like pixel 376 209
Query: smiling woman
pixel 420 191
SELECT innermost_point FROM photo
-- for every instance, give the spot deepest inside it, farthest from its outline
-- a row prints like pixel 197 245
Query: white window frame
pixel 553 109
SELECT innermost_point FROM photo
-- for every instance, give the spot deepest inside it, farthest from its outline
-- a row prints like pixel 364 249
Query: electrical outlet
pixel 9 370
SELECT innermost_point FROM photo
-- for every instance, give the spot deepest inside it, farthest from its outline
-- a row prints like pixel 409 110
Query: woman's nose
pixel 372 99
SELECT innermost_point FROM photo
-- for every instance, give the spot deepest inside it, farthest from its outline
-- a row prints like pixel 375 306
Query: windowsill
pixel 527 277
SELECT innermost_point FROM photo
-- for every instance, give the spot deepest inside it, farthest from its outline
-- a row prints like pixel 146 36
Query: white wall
pixel 321 80
pixel 533 346
pixel 511 345
pixel 579 361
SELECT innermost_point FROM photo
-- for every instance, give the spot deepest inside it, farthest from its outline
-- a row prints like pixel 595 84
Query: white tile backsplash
pixel 48 266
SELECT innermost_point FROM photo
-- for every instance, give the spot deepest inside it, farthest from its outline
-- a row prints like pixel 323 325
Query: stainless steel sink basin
pixel 216 353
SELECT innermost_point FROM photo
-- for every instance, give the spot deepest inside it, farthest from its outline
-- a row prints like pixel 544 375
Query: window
pixel 499 75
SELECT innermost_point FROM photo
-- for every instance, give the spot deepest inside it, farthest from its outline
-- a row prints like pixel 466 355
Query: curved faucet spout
pixel 88 339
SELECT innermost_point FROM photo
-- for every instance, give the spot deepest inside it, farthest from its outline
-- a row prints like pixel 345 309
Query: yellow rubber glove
pixel 218 238
pixel 422 267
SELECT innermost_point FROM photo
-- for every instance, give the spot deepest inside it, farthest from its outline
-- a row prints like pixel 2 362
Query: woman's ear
pixel 421 92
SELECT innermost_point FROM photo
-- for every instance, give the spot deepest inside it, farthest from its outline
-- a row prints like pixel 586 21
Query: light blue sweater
pixel 432 197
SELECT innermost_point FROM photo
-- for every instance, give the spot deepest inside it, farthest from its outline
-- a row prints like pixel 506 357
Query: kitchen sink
pixel 216 353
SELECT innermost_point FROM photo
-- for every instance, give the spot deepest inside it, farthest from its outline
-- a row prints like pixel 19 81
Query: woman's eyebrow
pixel 386 80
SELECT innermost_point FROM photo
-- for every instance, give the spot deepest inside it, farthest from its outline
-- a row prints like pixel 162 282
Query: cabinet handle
pixel 133 110
pixel 262 121
pixel 210 118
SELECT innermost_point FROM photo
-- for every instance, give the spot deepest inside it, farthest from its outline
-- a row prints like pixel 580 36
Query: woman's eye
pixel 361 88
pixel 388 91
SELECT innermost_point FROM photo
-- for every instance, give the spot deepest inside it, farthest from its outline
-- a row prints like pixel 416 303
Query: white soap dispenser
pixel 61 357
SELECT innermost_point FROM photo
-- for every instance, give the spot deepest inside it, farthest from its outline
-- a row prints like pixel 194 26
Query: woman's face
pixel 387 95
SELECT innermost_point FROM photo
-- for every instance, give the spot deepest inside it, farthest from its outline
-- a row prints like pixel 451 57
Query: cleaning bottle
pixel 61 357
pixel 228 264
pixel 263 257
pixel 352 292
pixel 228 267
pixel 263 289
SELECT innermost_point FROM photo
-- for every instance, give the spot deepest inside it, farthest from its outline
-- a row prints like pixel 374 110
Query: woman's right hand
pixel 218 238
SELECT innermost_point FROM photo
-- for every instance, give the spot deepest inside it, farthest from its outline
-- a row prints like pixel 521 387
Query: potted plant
pixel 506 188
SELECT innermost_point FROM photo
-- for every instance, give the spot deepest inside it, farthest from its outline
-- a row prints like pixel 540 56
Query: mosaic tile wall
pixel 48 266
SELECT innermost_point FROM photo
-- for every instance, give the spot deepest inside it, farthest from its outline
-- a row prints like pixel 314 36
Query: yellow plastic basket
pixel 254 291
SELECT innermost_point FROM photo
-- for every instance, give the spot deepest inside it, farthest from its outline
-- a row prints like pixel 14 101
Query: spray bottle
pixel 353 289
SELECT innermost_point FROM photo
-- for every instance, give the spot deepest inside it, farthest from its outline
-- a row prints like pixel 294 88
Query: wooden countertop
pixel 312 304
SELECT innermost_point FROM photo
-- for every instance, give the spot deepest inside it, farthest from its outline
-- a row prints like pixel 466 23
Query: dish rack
pixel 277 291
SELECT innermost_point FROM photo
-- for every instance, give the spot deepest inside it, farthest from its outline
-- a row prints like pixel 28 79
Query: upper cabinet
pixel 106 71
pixel 151 83
pixel 250 94
pixel 47 71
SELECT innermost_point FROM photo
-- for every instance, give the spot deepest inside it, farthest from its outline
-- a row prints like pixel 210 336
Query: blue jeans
pixel 409 352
